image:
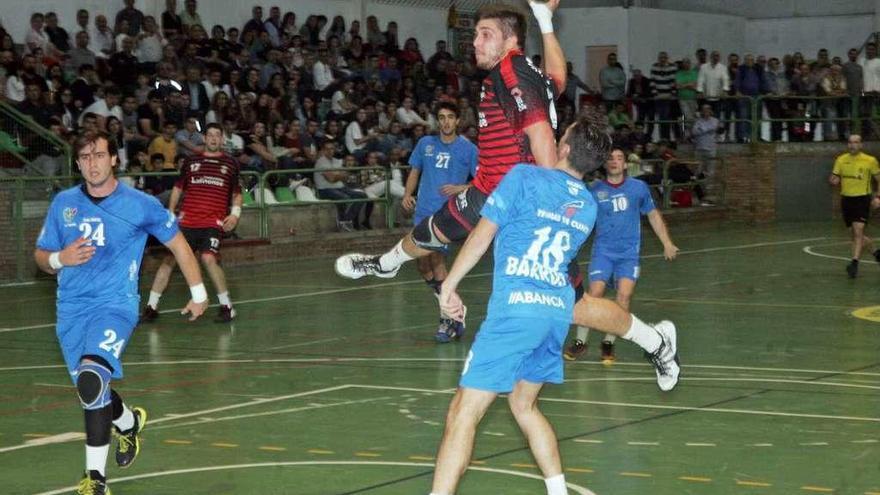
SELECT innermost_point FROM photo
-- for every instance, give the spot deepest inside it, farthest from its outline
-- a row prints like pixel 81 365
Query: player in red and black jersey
pixel 517 121
pixel 209 183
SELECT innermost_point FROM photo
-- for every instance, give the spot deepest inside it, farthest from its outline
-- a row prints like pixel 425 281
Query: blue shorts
pixel 507 350
pixel 104 332
pixel 603 268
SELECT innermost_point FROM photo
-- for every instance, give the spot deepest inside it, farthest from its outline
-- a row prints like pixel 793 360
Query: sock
pixel 154 300
pixel 224 299
pixel 643 335
pixel 610 338
pixel 125 421
pixel 96 458
pixel 582 333
pixel 394 258
pixel 434 284
pixel 556 485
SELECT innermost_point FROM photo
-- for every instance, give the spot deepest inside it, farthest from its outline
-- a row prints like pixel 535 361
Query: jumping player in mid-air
pixel 622 202
pixel 93 238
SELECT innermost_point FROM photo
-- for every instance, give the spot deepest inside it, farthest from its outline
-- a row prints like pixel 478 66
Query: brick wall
pixel 750 184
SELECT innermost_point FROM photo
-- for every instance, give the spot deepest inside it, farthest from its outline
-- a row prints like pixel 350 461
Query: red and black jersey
pixel 208 183
pixel 515 95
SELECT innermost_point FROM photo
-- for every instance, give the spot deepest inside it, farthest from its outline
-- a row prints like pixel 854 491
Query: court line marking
pixel 439 360
pixel 657 406
pixel 410 282
pixel 580 490
pixel 695 379
pixel 809 250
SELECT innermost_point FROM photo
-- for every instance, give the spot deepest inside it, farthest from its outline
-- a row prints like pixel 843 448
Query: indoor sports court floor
pixel 327 386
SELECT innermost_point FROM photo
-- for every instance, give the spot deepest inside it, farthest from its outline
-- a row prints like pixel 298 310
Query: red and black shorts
pixel 855 209
pixel 203 240
pixel 460 214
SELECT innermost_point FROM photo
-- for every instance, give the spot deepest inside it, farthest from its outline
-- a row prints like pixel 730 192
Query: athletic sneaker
pixel 852 269
pixel 575 350
pixel 608 356
pixel 356 265
pixel 225 315
pixel 93 484
pixel 149 315
pixel 877 255
pixel 129 444
pixel 448 331
pixel 665 358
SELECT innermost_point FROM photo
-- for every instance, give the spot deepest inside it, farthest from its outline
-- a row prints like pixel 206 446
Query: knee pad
pixel 93 385
pixel 424 237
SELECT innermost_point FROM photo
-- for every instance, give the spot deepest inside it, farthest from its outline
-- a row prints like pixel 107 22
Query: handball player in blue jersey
pixel 93 238
pixel 622 201
pixel 441 165
pixel 538 219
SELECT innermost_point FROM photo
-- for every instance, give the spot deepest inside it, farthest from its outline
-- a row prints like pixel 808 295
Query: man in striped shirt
pixel 663 90
pixel 209 182
pixel 517 121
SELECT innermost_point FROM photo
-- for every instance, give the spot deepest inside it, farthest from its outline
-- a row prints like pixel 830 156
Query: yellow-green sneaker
pixel 93 484
pixel 129 444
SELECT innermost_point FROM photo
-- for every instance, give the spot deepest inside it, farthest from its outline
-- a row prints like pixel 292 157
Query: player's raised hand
pixel 229 223
pixel 77 252
pixel 551 4
pixel 670 251
pixel 408 203
pixel 194 309
pixel 451 304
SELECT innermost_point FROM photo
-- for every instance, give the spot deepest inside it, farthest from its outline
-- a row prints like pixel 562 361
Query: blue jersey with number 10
pixel 117 226
pixel 619 228
pixel 543 218
pixel 440 164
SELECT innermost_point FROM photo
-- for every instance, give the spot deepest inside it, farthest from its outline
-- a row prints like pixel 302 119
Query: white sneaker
pixel 356 265
pixel 665 358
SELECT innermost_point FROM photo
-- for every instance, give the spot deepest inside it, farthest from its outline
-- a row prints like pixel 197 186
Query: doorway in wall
pixel 597 57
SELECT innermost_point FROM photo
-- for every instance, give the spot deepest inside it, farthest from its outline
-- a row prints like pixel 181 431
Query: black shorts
pixel 855 209
pixel 458 216
pixel 204 240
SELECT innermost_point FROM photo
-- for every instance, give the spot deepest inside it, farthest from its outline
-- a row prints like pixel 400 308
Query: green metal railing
pixel 25 140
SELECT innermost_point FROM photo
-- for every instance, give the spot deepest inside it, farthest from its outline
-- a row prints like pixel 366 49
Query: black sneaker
pixel 93 484
pixel 225 315
pixel 149 315
pixel 852 269
pixel 575 350
pixel 608 356
pixel 877 255
pixel 129 442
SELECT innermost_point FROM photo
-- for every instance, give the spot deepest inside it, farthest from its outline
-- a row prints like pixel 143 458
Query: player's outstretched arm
pixel 75 253
pixel 474 247
pixel 412 182
pixel 554 58
pixel 670 250
pixel 190 268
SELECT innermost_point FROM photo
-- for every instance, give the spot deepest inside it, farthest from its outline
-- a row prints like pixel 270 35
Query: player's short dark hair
pixel 84 139
pixel 446 105
pixel 213 125
pixel 513 20
pixel 589 141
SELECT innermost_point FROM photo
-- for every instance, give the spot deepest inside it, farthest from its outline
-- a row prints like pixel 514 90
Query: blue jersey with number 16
pixel 543 218
pixel 117 226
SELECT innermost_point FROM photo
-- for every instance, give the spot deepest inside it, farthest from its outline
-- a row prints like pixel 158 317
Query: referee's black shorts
pixel 855 209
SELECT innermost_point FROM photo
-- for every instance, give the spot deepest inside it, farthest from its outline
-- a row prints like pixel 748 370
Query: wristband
pixel 543 15
pixel 235 211
pixel 55 261
pixel 199 294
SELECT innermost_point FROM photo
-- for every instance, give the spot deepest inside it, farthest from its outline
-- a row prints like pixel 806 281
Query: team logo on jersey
pixel 69 214
pixel 429 149
pixel 602 195
pixel 571 208
pixel 223 170
pixel 517 97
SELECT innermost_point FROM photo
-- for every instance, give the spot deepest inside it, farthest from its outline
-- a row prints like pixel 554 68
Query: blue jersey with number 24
pixel 543 218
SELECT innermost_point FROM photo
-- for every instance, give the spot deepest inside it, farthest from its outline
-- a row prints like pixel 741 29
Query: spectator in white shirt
pixel 358 142
pixel 102 39
pixel 322 71
pixel 150 44
pixel 214 84
pixel 713 81
pixel 105 107
pixel 15 84
pixel 407 115
pixel 36 38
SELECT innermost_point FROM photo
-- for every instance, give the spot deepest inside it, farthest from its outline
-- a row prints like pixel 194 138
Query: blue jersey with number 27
pixel 543 218
pixel 440 164
pixel 117 226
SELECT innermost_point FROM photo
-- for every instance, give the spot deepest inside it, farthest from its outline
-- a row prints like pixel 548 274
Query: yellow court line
pixel 760 484
pixel 270 448
pixel 224 445
pixel 420 458
pixel 367 454
pixel 320 452
pixel 820 489
pixel 872 493
pixel 177 442
pixel 579 470
pixel 636 475
pixel 743 303
pixel 695 478
pixel 521 465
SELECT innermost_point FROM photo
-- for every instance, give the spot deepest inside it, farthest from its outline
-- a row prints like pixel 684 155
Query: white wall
pixel 679 34
pixel 579 28
pixel 427 25
pixel 776 37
